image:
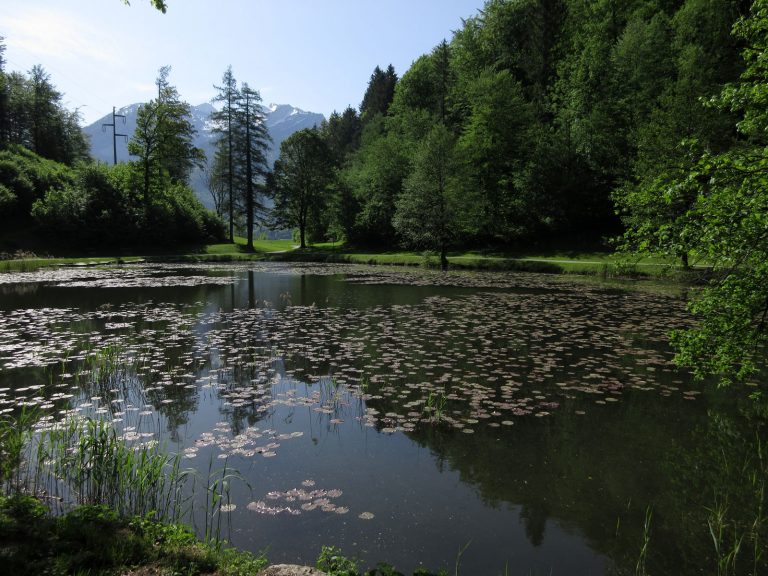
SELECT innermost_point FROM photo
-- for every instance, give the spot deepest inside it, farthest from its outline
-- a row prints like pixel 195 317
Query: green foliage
pixel 222 174
pixel 299 185
pixel 252 141
pixel 158 4
pixel 375 178
pixel 163 141
pixel 88 206
pixel 379 94
pixel 717 205
pixel 25 177
pixel 233 562
pixel 15 430
pixel 492 150
pixel 101 207
pixel 426 213
pixel 680 128
pixel 418 87
pixel 334 563
pixel 18 511
pixel 94 540
pixel 33 116
pixel 342 132
pixel 240 165
pixel 558 107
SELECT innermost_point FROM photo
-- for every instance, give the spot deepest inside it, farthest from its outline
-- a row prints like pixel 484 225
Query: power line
pixel 114 132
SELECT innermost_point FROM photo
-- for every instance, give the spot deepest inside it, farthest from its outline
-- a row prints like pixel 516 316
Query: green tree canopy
pixel 378 96
pixel 164 141
pixel 716 205
pixel 427 210
pixel 299 184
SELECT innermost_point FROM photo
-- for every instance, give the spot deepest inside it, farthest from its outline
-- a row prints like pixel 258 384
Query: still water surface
pixel 533 422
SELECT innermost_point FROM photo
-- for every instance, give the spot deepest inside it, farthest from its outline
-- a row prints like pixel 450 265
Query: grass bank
pixel 94 540
pixel 552 261
pixel 224 252
pixel 588 262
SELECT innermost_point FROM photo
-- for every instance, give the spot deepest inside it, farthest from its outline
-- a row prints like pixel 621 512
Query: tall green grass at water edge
pixel 84 461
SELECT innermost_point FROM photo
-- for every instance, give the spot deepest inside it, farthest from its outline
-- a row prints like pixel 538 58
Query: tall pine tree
pixel 224 127
pixel 252 143
pixel 380 93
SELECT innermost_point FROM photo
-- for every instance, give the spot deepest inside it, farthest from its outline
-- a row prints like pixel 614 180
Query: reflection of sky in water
pixel 428 402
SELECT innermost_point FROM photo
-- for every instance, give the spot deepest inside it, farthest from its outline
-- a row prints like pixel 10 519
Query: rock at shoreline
pixel 290 570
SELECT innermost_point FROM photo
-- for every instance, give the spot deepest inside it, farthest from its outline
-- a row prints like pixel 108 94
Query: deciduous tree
pixel 725 219
pixel 299 185
pixel 426 215
pixel 163 140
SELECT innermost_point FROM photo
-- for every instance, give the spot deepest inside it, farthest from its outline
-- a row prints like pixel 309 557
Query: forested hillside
pixel 536 119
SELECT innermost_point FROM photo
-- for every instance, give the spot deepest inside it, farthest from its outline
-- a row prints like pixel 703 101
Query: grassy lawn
pixel 211 252
pixel 266 245
pixel 556 261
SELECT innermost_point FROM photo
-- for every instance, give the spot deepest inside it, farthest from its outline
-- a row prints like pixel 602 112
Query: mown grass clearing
pixel 557 261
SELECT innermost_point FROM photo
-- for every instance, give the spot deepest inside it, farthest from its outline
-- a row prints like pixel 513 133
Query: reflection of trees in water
pixel 247 409
pixel 597 474
pixel 534 518
pixel 9 290
pixel 251 290
pixel 726 473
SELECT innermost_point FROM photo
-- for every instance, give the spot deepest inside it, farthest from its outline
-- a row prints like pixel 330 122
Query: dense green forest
pixel 538 119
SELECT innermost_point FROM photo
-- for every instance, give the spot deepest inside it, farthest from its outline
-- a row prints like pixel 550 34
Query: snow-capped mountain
pixel 282 120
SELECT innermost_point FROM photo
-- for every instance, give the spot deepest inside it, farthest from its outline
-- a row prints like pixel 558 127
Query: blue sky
pixel 314 54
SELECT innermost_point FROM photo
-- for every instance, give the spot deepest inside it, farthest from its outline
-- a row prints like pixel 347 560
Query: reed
pixel 85 461
pixel 218 499
pixel 434 406
pixel 15 432
pixel 640 567
pixel 737 519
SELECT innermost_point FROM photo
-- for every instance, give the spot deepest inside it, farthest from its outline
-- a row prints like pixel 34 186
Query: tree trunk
pixel 684 259
pixel 147 169
pixel 248 174
pixel 301 235
pixel 250 248
pixel 443 258
pixel 229 174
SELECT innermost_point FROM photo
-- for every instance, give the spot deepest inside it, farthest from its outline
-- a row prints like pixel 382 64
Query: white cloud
pixel 48 34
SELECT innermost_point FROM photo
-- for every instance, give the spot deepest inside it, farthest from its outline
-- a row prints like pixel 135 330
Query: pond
pixel 508 423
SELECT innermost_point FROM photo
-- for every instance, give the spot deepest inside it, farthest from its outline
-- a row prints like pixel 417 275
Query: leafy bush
pixel 62 212
pixel 27 177
pixel 102 208
pixel 334 563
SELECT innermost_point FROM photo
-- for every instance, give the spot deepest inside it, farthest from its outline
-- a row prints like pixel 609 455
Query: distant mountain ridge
pixel 281 120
